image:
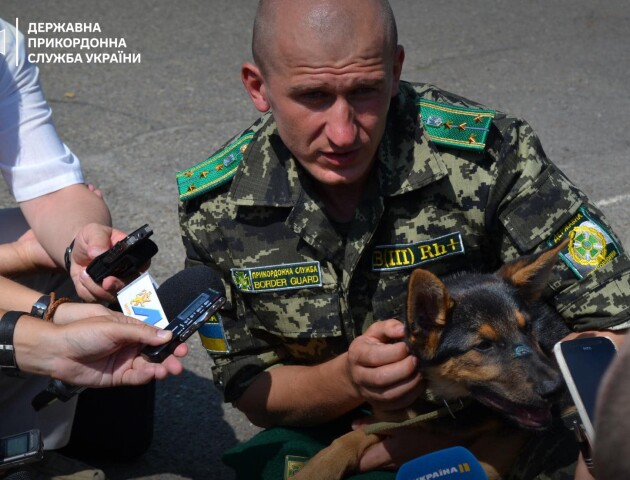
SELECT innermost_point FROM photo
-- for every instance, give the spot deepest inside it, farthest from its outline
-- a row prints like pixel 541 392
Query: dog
pixel 487 338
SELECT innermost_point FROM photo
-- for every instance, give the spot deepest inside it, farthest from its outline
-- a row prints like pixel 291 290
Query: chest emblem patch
pixel 277 277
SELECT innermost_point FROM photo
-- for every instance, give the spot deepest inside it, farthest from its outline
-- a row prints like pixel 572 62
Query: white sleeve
pixel 33 159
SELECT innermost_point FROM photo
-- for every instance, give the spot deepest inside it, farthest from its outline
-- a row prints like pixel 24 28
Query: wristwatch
pixel 40 307
pixel 7 352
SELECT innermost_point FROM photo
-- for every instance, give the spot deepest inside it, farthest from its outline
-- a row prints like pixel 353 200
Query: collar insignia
pixel 213 172
pixel 455 126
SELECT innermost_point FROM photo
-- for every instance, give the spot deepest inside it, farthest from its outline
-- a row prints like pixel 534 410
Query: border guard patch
pixel 214 171
pixel 590 245
pixel 273 278
pixel 455 126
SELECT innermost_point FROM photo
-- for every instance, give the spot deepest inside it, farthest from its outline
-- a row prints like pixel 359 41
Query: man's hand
pixel 25 255
pixel 105 353
pixel 381 368
pixel 33 254
pixel 402 445
pixel 71 312
pixel 96 352
pixel 90 242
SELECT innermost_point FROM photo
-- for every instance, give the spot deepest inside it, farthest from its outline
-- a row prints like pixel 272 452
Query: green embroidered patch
pixel 277 277
pixel 590 245
pixel 292 465
pixel 456 126
pixel 214 171
pixel 396 257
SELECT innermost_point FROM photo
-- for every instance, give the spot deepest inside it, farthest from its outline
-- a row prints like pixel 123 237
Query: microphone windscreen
pixel 455 463
pixel 178 291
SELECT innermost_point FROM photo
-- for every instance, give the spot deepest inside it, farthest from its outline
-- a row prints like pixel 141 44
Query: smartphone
pixel 191 319
pixel 583 362
pixel 124 258
pixel 20 449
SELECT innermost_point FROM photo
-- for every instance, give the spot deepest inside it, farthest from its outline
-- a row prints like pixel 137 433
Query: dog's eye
pixel 483 346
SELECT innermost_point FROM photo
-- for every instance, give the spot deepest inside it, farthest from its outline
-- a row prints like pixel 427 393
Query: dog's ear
pixel 530 274
pixel 428 303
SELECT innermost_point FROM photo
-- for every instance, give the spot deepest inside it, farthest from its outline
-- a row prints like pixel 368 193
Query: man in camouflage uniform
pixel 315 216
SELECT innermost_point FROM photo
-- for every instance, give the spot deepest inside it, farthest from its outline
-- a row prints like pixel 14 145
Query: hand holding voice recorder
pixel 124 258
pixel 185 324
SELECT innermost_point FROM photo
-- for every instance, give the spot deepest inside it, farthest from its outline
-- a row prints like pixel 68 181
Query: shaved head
pixel 328 70
pixel 330 23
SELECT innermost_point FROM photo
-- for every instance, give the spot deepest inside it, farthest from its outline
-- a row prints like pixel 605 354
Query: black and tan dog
pixel 485 337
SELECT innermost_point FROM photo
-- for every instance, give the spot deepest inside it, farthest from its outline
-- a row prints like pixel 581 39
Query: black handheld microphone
pixel 190 298
pixel 455 463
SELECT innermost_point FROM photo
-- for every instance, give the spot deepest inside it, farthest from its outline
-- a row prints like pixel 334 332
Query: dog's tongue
pixel 532 418
pixel 525 415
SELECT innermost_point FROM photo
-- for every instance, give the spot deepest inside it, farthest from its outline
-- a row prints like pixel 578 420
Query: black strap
pixel 7 329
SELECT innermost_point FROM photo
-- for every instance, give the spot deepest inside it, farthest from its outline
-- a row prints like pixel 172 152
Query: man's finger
pixel 386 330
pixel 375 457
pixel 374 355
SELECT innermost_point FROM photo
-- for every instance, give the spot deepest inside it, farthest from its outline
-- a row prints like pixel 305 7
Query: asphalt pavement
pixel 562 65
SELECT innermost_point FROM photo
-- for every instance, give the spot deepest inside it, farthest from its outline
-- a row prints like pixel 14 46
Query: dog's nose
pixel 550 386
pixel 550 382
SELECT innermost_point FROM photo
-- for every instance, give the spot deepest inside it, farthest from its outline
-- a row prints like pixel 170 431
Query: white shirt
pixel 33 159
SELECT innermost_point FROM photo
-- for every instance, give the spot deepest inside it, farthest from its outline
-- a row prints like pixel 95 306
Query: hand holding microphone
pixel 189 298
pixel 96 352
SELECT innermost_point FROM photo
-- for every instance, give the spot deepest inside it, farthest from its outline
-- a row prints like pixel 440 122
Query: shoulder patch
pixel 590 246
pixel 213 172
pixel 455 126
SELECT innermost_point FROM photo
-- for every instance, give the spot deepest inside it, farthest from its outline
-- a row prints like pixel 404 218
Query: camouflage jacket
pixel 455 187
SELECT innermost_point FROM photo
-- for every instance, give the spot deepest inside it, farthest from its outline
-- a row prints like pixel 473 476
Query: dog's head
pixel 479 335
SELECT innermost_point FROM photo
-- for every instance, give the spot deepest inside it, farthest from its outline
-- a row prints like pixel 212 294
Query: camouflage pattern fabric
pixel 427 205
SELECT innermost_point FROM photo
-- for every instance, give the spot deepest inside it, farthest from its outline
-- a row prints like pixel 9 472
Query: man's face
pixel 330 103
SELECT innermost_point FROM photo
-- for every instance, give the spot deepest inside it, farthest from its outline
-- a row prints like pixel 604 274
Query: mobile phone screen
pixel 21 448
pixel 587 360
pixel 16 445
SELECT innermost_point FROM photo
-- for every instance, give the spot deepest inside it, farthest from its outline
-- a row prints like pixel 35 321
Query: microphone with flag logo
pixel 455 463
pixel 189 298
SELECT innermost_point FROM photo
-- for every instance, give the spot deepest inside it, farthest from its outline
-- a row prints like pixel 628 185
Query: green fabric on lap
pixel 263 456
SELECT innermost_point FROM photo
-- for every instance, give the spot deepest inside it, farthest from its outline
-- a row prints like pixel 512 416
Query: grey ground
pixel 562 65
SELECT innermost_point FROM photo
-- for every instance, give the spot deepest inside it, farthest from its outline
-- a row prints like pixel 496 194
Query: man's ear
pixel 399 59
pixel 255 85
